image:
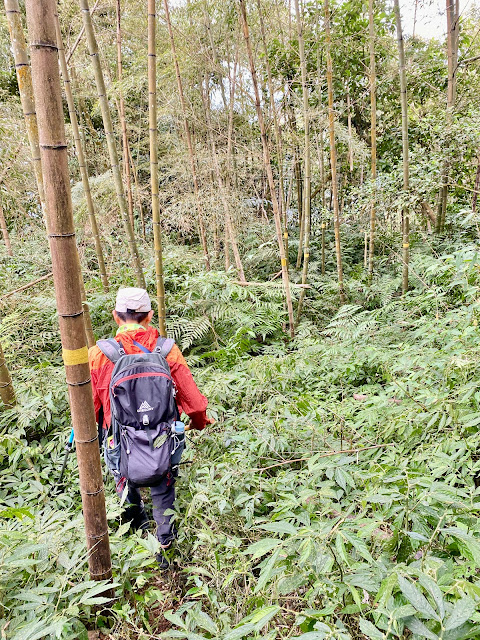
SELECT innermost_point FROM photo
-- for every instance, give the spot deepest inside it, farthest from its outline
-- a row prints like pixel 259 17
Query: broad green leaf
pixel 462 611
pixel 260 548
pixel 417 599
pixel 420 629
pixel 370 630
pixel 240 632
pixel 267 572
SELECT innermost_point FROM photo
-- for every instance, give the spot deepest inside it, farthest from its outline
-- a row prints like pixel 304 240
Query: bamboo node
pixel 72 357
pixel 79 384
pixel 86 441
pixel 61 235
pixel 95 493
pixel 101 535
pixel 49 45
pixel 71 315
pixel 55 147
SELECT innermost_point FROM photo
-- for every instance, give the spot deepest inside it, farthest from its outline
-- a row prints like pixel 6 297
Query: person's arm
pixel 189 399
pixel 97 403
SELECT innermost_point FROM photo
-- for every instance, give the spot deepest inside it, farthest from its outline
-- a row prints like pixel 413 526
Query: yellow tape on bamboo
pixel 75 356
pixel 285 235
pixel 405 245
pixel 323 225
pixel 284 262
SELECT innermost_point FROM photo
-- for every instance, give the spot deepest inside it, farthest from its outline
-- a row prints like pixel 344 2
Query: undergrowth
pixel 334 497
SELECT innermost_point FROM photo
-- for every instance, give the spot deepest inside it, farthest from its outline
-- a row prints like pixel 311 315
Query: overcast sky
pixel 431 21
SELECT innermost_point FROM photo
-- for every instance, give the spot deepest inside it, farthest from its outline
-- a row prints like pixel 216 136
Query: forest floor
pixel 333 498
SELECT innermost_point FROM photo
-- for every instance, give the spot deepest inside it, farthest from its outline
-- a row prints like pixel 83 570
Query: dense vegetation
pixel 336 495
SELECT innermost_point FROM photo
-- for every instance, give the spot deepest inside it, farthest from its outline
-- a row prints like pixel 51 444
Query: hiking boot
pixel 136 515
pixel 164 557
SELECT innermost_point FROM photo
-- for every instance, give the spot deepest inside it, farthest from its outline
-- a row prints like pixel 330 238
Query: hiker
pixel 133 314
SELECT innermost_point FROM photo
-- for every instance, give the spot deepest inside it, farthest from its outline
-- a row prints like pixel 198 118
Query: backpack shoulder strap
pixel 111 349
pixel 164 346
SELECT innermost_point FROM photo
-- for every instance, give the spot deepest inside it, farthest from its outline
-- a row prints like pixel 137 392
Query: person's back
pixel 133 315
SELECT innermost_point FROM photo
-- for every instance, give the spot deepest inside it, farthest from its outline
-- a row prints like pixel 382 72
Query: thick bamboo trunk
pixel 152 111
pixel 403 102
pixel 121 115
pixel 268 169
pixel 81 158
pixel 111 144
pixel 373 134
pixel 333 153
pixel 5 234
pixel 61 230
pixel 307 182
pixel 80 34
pixel 221 186
pixel 350 131
pixel 24 78
pixel 7 393
pixel 191 150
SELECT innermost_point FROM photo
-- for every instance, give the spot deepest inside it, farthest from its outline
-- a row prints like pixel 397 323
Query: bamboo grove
pixel 269 109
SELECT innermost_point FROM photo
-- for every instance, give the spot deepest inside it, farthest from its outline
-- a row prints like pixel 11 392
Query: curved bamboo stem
pixel 24 77
pixel 333 153
pixel 268 168
pixel 81 157
pixel 111 144
pixel 152 111
pixel 191 150
pixel 7 393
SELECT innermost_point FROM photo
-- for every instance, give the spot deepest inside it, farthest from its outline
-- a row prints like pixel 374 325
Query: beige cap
pixel 133 299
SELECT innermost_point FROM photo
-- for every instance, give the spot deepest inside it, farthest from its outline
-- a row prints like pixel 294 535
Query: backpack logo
pixel 144 407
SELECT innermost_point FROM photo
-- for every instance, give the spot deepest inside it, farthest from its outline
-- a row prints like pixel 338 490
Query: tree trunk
pixel 61 230
pixel 477 186
pixel 221 187
pixel 333 154
pixel 7 393
pixel 350 133
pixel 152 111
pixel 121 114
pixel 81 157
pixel 24 78
pixel 403 102
pixel 191 150
pixel 373 130
pixel 112 147
pixel 307 161
pixel 268 168
pixel 3 226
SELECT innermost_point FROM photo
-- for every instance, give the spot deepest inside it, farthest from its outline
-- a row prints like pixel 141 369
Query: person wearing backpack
pixel 141 386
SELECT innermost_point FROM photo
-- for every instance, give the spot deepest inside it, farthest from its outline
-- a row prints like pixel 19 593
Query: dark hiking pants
pixel 163 498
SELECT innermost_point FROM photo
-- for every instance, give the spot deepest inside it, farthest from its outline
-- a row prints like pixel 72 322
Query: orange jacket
pixel 189 399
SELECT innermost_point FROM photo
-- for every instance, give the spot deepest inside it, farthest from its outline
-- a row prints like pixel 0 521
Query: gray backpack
pixel 139 443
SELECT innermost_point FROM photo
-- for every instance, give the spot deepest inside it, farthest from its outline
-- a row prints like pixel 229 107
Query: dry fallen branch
pixel 270 283
pixel 26 286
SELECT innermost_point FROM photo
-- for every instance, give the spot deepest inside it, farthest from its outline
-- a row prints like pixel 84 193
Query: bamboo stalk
pixel 7 393
pixel 191 150
pixel 24 78
pixel 5 234
pixel 152 112
pixel 80 34
pixel 268 168
pixel 61 230
pixel 403 102
pixel 121 114
pixel 307 161
pixel 277 130
pixel 221 186
pixel 81 158
pixel 333 153
pixel 111 144
pixel 373 134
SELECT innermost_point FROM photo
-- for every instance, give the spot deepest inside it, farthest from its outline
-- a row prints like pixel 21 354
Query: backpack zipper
pixel 141 375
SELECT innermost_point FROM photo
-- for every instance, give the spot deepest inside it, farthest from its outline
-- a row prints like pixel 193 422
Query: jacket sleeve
pixel 97 403
pixel 189 399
